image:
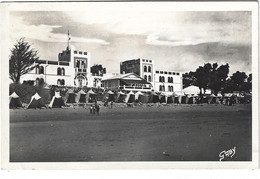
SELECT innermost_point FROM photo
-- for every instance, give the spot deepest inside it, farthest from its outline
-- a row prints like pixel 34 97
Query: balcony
pixel 135 88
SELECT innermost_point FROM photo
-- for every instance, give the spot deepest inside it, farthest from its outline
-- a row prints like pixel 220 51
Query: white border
pixel 126 6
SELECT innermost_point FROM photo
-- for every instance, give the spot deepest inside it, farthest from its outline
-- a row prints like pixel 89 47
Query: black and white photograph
pixel 129 85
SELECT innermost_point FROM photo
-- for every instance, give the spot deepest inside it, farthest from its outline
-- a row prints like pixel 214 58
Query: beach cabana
pixel 162 98
pixel 120 97
pixel 36 102
pixel 91 96
pixel 130 97
pixel 14 101
pixel 81 97
pixel 108 96
pixel 56 101
pixel 70 96
pixel 140 97
pixel 154 98
pixel 211 99
pixel 180 98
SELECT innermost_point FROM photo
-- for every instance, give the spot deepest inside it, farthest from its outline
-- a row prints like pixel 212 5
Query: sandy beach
pixel 143 133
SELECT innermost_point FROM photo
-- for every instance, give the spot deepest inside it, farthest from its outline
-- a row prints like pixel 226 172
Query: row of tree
pixel 215 77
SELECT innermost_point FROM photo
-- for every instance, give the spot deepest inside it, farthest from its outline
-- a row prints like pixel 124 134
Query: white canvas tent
pixel 14 101
pixel 130 97
pixel 36 102
pixel 56 101
pixel 191 90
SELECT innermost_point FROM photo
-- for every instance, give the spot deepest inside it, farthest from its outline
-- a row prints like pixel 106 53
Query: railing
pixel 139 88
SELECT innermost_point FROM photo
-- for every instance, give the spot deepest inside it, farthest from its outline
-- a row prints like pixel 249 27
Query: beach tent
pixel 180 98
pixel 191 90
pixel 130 97
pixel 211 99
pixel 144 98
pixel 91 96
pixel 154 98
pixel 108 96
pixel 36 102
pixel 162 98
pixel 169 98
pixel 70 96
pixel 140 97
pixel 14 101
pixel 56 101
pixel 120 97
pixel 81 97
pixel 189 99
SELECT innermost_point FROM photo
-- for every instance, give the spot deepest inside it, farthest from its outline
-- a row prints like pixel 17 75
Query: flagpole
pixel 68 41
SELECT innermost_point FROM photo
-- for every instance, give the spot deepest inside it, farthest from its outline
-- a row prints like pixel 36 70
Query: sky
pixel 176 41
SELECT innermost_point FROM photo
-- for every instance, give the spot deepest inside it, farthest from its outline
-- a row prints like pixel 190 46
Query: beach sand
pixel 144 133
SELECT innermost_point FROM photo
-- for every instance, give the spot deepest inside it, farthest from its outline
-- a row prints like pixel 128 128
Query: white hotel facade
pixel 72 69
pixel 162 81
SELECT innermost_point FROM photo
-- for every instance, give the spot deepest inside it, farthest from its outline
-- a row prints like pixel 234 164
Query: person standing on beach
pixel 91 109
pixel 97 109
pixel 94 109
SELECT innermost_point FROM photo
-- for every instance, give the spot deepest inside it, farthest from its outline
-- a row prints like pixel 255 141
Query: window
pixel 58 82
pixel 156 71
pixel 169 79
pixel 165 72
pixel 146 60
pixel 173 73
pixel 145 68
pixel 75 52
pixel 163 80
pixel 160 79
pixel 63 72
pixel 59 71
pixel 37 81
pixel 37 71
pixel 145 77
pixel 149 68
pixel 161 72
pixel 169 88
pixel 80 52
pixel 149 78
pixel 41 70
pixel 170 73
pixel 172 88
pixel 150 61
pixel 163 88
pixel 85 53
pixel 143 60
pixel 178 73
pixel 62 82
pixel 160 88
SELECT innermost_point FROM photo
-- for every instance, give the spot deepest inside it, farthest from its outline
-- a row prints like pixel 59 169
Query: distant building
pixel 142 67
pixel 71 69
pixel 127 82
pixel 162 81
pixel 168 82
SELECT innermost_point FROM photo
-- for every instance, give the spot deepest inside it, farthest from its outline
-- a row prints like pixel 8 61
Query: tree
pixel 209 76
pixel 21 60
pixel 98 70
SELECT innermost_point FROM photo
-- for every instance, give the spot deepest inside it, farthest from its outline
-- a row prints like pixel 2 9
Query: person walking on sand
pixel 94 109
